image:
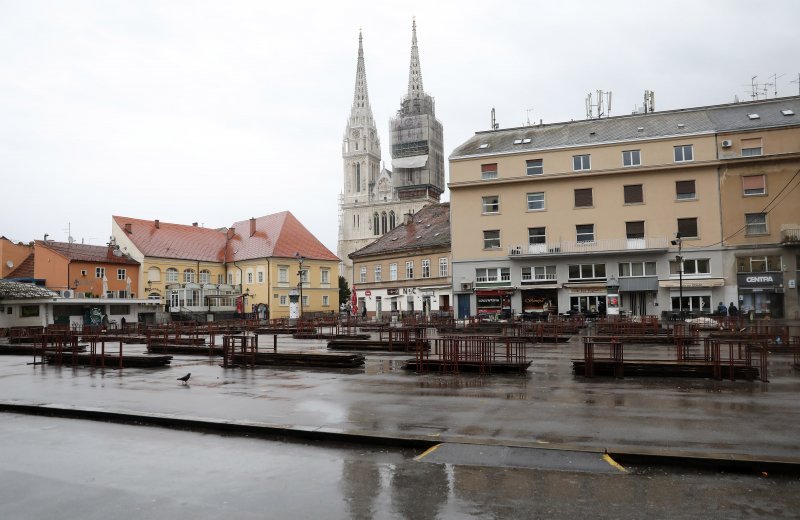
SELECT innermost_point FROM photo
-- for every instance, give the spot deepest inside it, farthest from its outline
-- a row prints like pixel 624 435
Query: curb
pixel 732 463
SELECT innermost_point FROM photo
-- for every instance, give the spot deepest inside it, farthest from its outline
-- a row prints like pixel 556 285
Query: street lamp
pixel 679 258
pixel 300 259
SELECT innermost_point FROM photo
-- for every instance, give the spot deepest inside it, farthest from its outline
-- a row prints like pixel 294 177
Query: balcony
pixel 607 246
pixel 790 236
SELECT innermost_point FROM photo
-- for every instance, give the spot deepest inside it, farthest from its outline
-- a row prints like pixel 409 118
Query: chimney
pixel 157 223
pixel 129 228
pixel 408 218
pixel 252 226
pixel 194 224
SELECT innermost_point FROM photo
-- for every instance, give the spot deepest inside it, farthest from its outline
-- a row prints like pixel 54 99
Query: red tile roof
pixel 24 269
pixel 86 253
pixel 276 235
pixel 175 240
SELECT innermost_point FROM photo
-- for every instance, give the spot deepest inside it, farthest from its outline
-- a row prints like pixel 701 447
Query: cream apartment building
pixel 554 218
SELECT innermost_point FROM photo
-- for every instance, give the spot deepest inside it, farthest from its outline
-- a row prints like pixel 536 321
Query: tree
pixel 344 291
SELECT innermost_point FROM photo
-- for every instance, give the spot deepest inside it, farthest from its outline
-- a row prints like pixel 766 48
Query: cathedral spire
pixel 414 72
pixel 360 95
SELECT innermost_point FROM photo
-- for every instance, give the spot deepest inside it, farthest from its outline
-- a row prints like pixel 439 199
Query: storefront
pixel 761 293
pixel 493 302
pixel 697 295
pixel 585 298
pixel 540 301
pixel 639 295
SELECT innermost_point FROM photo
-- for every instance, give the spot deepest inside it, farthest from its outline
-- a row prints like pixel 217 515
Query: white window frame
pixel 326 300
pixel 534 166
pixel 587 236
pixel 756 224
pixel 490 204
pixel 489 240
pixel 188 276
pixel 631 158
pixel 587 272
pixel 489 174
pixel 536 201
pixel 283 274
pixel 171 274
pixel 426 268
pixel 393 272
pixel 283 300
pixel 492 274
pixel 538 238
pixel 409 269
pixel 444 267
pixel 636 269
pixel 582 162
pixel 325 275
pixel 205 276
pixel 696 263
pixel 362 274
pixel 260 276
pixel 378 273
pixel 99 272
pixel 755 193
pixel 538 273
pixel 121 274
pixel 752 151
pixel 305 300
pixel 680 153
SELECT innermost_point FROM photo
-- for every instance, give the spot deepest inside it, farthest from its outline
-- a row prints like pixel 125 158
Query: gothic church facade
pixel 374 199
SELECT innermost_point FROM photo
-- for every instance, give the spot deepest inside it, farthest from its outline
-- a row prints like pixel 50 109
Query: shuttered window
pixel 684 190
pixel 583 197
pixel 687 227
pixel 489 171
pixel 633 194
pixel 634 229
pixel 754 185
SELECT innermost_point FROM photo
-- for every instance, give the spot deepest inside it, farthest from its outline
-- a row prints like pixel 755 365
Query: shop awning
pixel 416 161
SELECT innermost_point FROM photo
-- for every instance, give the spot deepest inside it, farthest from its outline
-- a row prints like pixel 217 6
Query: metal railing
pixel 590 246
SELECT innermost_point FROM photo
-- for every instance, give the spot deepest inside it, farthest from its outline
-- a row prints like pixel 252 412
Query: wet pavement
pixel 546 407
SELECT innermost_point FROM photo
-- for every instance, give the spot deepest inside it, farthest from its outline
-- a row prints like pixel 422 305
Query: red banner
pixel 354 303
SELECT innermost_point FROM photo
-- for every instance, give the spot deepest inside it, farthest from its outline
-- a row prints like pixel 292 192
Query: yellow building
pixel 555 218
pixel 250 268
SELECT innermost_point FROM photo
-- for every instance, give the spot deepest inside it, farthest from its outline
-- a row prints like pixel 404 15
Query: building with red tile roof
pixel 407 270
pixel 252 266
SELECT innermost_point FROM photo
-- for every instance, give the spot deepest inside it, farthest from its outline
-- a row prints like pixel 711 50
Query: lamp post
pixel 679 258
pixel 300 259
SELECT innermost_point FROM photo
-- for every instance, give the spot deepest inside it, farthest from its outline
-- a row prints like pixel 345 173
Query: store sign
pixel 750 280
pixel 392 292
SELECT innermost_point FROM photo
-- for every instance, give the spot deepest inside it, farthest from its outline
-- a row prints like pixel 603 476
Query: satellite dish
pixel 10 264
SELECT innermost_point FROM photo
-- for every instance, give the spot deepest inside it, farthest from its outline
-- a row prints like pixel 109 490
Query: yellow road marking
pixel 426 452
pixel 613 463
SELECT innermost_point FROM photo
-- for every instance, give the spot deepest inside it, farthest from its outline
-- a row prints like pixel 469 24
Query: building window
pixel 325 276
pixel 756 223
pixel 121 274
pixel 172 274
pixel 491 204
pixel 99 272
pixel 493 274
pixel 634 229
pixel 392 220
pixel 633 194
pixel 376 224
pixel 409 270
pixel 378 274
pixel 188 276
pixel 587 271
pixel 205 276
pixel 392 272
pixel 751 147
pixel 696 266
pixel 539 273
pixel 357 176
pixel 754 185
pixel 153 274
pixel 259 276
pixel 491 239
pixel 583 198
pixel 685 190
pixel 303 275
pixel 282 300
pixel 363 275
pixel 28 311
pixel 230 278
pixel 283 274
pixel 758 264
pixel 444 268
pixel 489 171
pixel 384 223
pixel 249 276
pixel 426 268
pixel 631 158
pixel 534 167
pixel 687 227
pixel 581 162
pixel 220 278
pixel 305 300
pixel 584 232
pixel 326 300
pixel 629 269
pixel 684 153
pixel 536 201
pixel 536 235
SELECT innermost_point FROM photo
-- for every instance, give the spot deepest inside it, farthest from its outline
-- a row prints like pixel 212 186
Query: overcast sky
pixel 214 112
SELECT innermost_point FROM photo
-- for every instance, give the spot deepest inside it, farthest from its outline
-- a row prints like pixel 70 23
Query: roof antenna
pixel 528 122
pixel 495 125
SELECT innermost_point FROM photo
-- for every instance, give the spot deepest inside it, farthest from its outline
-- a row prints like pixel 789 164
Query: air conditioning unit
pixel 67 293
pixel 80 295
pixel 727 143
pixel 466 286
